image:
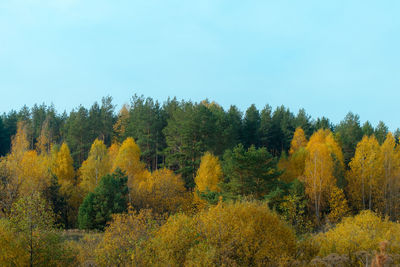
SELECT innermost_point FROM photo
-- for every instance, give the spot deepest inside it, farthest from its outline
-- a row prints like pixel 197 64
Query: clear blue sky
pixel 329 57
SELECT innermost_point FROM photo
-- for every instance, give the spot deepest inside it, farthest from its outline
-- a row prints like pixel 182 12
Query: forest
pixel 182 183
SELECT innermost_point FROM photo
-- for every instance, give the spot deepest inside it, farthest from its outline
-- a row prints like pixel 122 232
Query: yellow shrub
pixel 360 233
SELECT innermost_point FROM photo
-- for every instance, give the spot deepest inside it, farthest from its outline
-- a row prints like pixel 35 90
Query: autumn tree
pixel 364 176
pixel 122 122
pixel 95 166
pixel 338 205
pixel 209 176
pixel 389 160
pixel 293 166
pixel 125 232
pixel 128 160
pixel 299 140
pixel 319 168
pixel 32 223
pixel 163 191
pixel 64 172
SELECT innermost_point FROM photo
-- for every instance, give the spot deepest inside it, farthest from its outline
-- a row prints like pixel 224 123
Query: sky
pixel 328 57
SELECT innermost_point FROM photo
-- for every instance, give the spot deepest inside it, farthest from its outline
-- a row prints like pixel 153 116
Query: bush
pixel 241 234
pixel 363 232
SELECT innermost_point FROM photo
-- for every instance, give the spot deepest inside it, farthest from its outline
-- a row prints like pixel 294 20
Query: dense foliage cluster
pixel 192 184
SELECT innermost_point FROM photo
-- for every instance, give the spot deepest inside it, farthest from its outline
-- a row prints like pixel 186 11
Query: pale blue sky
pixel 329 57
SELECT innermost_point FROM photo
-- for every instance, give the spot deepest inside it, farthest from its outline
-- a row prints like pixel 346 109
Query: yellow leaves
pixel 299 140
pixel 63 167
pixel 162 191
pixel 33 172
pixel 362 232
pixel 96 166
pixel 128 160
pixel 365 174
pixel 125 232
pixel 122 122
pixel 208 177
pixel 338 205
pixel 232 234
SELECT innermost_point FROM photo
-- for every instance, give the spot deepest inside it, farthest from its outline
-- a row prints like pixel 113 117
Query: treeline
pixel 175 134
pixel 192 184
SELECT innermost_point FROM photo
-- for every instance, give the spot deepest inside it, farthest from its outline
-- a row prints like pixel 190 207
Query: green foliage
pixel 109 197
pixel 350 133
pixel 249 172
pixel 145 124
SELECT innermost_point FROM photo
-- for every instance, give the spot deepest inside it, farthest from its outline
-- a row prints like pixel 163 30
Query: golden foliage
pixel 232 234
pixel 122 121
pixel 364 176
pixel 96 166
pixel 162 191
pixel 63 168
pixel 362 232
pixel 299 140
pixel 319 166
pixel 338 205
pixel 128 160
pixel 208 177
pixel 124 233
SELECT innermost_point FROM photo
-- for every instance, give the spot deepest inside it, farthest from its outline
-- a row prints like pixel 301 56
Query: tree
pixel 338 205
pixel 299 140
pixel 121 125
pixel 364 175
pixel 303 121
pixel 367 129
pixel 381 132
pixel 33 225
pixel 251 127
pixel 191 131
pixel 145 125
pixel 318 174
pixel 109 197
pixel 389 160
pixel 294 208
pixel 350 133
pixel 249 172
pixel 128 160
pixel 64 168
pixel 124 234
pixel 64 171
pixel 209 176
pixel 163 192
pixel 96 166
pixel 77 135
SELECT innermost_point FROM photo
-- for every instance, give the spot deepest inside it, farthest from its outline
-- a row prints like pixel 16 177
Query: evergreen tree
pixel 251 127
pixel 249 172
pixel 381 132
pixel 350 133
pixel 109 197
